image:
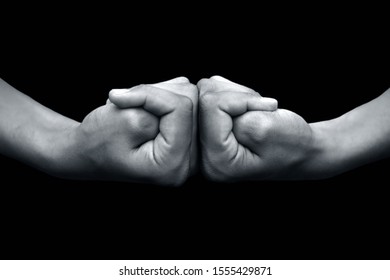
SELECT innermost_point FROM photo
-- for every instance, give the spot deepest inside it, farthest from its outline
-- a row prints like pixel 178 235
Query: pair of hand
pixel 149 133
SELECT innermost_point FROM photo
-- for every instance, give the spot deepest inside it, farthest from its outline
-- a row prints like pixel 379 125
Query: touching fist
pixel 224 157
pixel 143 134
pixel 149 134
pixel 170 155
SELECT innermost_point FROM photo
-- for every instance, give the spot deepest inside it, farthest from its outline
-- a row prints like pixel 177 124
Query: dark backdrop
pixel 318 67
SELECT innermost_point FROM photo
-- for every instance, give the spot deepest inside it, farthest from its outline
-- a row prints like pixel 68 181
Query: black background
pixel 319 64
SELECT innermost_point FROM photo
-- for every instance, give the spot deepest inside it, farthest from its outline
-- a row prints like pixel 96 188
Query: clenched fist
pixel 221 102
pixel 245 137
pixel 166 152
pixel 143 134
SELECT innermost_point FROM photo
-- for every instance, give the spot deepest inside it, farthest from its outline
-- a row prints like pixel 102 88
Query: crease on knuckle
pixel 216 169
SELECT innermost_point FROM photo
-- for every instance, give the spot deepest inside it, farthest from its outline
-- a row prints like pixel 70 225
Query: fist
pixel 166 152
pixel 223 105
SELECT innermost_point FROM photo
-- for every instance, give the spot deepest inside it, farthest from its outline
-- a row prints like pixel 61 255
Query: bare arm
pixel 31 132
pixel 354 139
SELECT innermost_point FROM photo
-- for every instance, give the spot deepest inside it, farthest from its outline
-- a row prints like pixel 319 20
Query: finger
pixel 217 111
pixel 223 83
pixel 251 128
pixel 175 112
pixel 178 80
pixel 219 84
pixel 187 89
pixel 172 85
pixel 216 136
pixel 118 90
pixel 220 78
pixel 142 126
pixel 118 94
pixel 204 85
pixel 238 103
pixel 212 85
pixel 147 96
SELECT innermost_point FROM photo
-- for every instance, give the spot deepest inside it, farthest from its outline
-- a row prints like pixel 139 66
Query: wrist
pixel 60 149
pixel 326 151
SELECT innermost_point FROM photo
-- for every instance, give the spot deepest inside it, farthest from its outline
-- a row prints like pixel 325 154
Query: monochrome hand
pixel 144 135
pixel 224 158
pixel 178 86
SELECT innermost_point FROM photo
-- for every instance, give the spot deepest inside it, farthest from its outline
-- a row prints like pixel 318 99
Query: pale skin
pixel 150 142
pixel 149 133
pixel 280 145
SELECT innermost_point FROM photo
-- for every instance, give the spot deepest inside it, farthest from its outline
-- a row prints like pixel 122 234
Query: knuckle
pixel 202 82
pixel 208 99
pixel 216 77
pixel 182 79
pixel 206 85
pixel 256 126
pixel 140 120
pixel 193 89
pixel 244 124
pixel 265 124
pixel 133 117
pixel 185 102
pixel 185 89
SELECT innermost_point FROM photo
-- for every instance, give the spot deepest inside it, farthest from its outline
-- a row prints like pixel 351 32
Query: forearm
pixel 31 132
pixel 356 138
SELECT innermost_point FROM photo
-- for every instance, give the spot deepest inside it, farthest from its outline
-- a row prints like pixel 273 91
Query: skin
pixel 150 141
pixel 149 134
pixel 246 143
pixel 180 86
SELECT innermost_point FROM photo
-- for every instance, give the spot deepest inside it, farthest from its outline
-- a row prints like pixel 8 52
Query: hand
pixel 224 158
pixel 245 136
pixel 145 136
pixel 182 87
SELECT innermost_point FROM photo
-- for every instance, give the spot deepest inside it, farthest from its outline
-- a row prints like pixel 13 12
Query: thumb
pixel 118 96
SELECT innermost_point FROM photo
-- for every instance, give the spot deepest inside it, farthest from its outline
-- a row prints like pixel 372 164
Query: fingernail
pixel 272 101
pixel 119 91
